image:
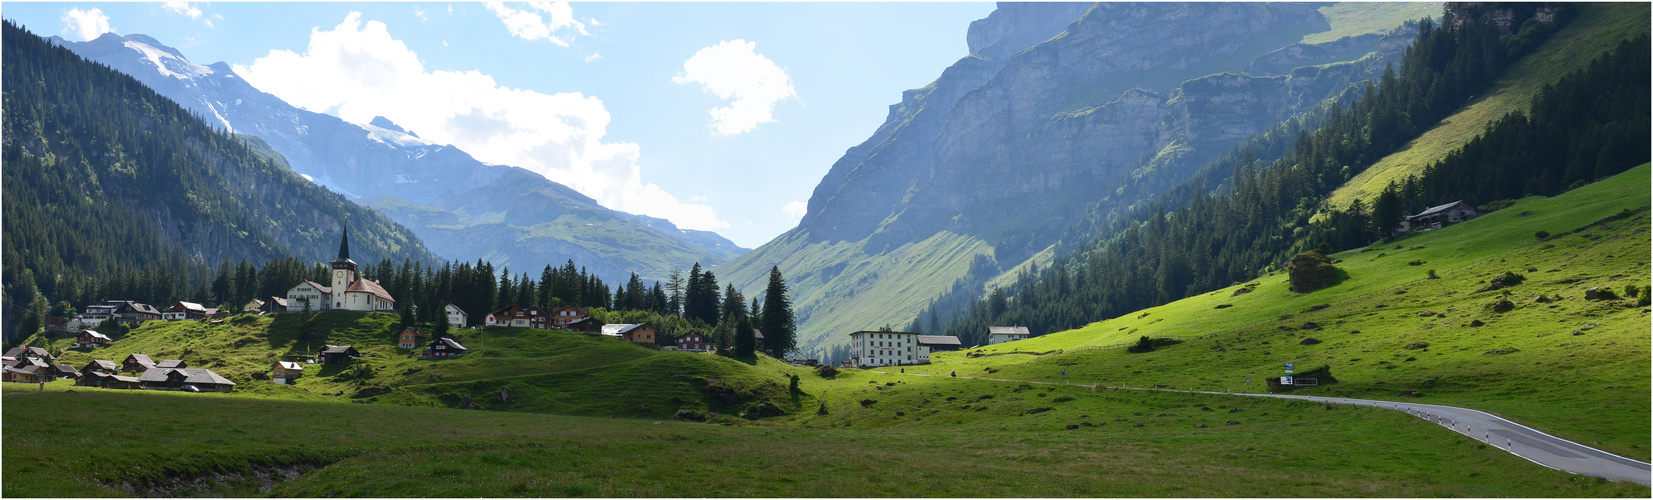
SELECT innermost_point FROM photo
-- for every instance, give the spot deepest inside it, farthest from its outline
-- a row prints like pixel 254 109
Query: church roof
pixel 319 287
pixel 370 286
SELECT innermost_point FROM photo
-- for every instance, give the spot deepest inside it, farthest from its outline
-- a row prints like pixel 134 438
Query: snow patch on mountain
pixel 167 63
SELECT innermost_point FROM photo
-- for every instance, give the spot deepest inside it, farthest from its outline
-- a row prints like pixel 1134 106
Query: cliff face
pixel 1058 108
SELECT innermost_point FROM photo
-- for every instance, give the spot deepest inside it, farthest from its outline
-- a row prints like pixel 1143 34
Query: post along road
pixel 1534 445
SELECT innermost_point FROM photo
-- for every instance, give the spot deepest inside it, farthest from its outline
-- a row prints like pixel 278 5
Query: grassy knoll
pixel 1598 27
pixel 1573 367
pixel 101 443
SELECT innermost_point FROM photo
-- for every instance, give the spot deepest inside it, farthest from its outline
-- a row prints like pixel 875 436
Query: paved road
pixel 1522 441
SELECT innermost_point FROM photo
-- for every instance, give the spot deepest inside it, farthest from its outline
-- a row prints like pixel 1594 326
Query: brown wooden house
pixel 90 338
pixel 137 363
pixel 636 333
pixel 284 372
pixel 339 354
pixel 411 338
pixel 561 317
pixel 513 316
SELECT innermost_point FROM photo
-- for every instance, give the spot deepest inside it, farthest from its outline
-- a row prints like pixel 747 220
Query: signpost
pixel 1286 380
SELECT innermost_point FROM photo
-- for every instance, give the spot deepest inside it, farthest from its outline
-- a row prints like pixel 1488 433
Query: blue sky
pixel 614 99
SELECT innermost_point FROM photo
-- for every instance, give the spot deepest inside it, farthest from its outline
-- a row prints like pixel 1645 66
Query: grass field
pixel 1598 27
pixel 1573 367
pixel 1360 18
pixel 118 443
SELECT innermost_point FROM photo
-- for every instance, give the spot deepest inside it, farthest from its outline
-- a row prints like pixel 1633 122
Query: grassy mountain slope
pixel 1346 19
pixel 1597 29
pixel 1573 367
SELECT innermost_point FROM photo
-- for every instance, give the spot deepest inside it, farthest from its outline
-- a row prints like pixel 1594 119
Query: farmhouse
pixel 636 333
pixel 588 325
pixel 91 338
pixel 411 338
pixel 1002 334
pixel 347 293
pixel 456 316
pixel 446 348
pixel 1439 217
pixel 518 317
pixel 98 312
pixel 695 342
pixel 20 352
pixel 172 363
pixel 63 370
pixel 137 363
pixel 883 348
pixel 283 372
pixel 55 324
pixel 27 373
pixel 934 343
pixel 561 317
pixel 176 378
pixel 273 305
pixel 98 373
pixel 184 310
pixel 339 354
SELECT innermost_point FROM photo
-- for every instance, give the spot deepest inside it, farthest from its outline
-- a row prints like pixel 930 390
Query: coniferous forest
pixel 1217 229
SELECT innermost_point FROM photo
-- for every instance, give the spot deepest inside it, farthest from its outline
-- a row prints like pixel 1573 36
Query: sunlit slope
pixel 1598 27
pixel 1570 366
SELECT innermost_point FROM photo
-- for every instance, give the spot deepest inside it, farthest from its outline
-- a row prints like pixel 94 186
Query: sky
pixel 716 116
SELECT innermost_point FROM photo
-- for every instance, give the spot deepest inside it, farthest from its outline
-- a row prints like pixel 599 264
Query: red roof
pixel 370 286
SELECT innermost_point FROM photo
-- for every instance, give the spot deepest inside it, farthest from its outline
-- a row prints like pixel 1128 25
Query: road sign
pixel 1288 365
pixel 1285 381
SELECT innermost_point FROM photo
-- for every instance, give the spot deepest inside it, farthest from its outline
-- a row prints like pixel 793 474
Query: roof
pixel 141 307
pixel 317 286
pixel 95 334
pixel 1441 208
pixel 157 374
pixel 619 329
pixel 338 349
pixel 142 359
pixel 104 364
pixel 256 302
pixel 369 286
pixel 583 311
pixel 416 331
pixel 452 343
pixel 171 363
pixel 291 365
pixel 123 378
pixel 277 301
pixel 757 334
pixel 938 340
pixel 191 306
pixel 31 370
pixel 457 309
pixel 31 351
pixel 30 361
pixel 1007 330
pixel 65 368
pixel 886 333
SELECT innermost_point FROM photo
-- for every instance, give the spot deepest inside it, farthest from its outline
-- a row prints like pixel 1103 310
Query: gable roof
pixel 28 351
pixel 190 306
pixel 1007 330
pixel 290 365
pixel 123 378
pixel 95 334
pixel 369 286
pixel 171 363
pixel 938 340
pixel 140 307
pixel 30 361
pixel 317 286
pixel 455 309
pixel 190 376
pixel 451 343
pixel 583 311
pixel 277 301
pixel 157 374
pixel 416 331
pixel 757 334
pixel 142 359
pixel 66 370
pixel 338 349
pixel 1442 208
pixel 619 329
pixel 103 364
pixel 31 370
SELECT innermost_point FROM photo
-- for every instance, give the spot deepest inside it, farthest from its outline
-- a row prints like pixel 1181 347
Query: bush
pixel 1542 235
pixel 1309 271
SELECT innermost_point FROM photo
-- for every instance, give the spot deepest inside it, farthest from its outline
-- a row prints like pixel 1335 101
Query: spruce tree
pixel 780 329
pixel 745 339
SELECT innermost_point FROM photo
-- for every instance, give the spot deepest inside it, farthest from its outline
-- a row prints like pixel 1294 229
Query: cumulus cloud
pixel 420 13
pixel 359 71
pixel 796 209
pixel 86 24
pixel 182 8
pixel 594 57
pixel 539 21
pixel 751 83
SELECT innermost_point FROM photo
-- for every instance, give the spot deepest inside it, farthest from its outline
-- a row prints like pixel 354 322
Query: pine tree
pixel 745 339
pixel 780 329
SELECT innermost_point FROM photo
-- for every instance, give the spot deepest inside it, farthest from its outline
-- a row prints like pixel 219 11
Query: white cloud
pixel 796 209
pixel 734 71
pixel 595 56
pixel 420 13
pixel 86 24
pixel 183 8
pixel 531 23
pixel 359 71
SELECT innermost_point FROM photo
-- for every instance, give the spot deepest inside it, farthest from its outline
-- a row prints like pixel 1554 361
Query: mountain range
pixel 460 207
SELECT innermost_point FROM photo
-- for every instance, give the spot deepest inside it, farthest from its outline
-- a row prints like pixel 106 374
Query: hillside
pixel 1597 28
pixel 103 175
pixel 460 207
pixel 1059 109
pixel 1571 366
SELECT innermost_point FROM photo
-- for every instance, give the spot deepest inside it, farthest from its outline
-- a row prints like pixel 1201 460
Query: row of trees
pixel 1200 236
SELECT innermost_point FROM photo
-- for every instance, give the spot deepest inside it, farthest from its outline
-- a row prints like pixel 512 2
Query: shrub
pixel 1542 235
pixel 1310 271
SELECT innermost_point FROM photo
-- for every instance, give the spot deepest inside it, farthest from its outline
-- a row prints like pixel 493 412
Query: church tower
pixel 344 269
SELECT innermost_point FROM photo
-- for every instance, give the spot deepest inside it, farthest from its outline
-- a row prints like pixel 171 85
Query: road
pixel 1522 441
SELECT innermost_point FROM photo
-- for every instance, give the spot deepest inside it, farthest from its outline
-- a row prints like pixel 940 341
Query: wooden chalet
pixel 562 316
pixel 91 338
pixel 176 378
pixel 588 325
pixel 338 354
pixel 696 342
pixel 514 316
pixel 273 305
pixel 21 352
pixel 57 325
pixel 446 348
pixel 172 363
pixel 456 316
pixel 636 333
pixel 98 373
pixel 252 306
pixel 283 372
pixel 184 310
pixel 137 363
pixel 27 374
pixel 411 338
pixel 134 313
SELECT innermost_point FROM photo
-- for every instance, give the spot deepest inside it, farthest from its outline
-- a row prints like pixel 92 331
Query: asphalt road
pixel 1522 441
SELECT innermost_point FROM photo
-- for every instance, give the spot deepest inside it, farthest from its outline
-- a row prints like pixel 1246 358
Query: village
pixel 348 292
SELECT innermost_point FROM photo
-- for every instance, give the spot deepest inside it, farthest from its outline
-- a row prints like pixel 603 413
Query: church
pixel 347 292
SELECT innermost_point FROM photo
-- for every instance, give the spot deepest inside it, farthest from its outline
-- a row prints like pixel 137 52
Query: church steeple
pixel 344 244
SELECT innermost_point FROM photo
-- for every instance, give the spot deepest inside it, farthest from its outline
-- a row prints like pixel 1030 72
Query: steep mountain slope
pixel 103 173
pixel 392 169
pixel 1593 32
pixel 1417 319
pixel 1110 104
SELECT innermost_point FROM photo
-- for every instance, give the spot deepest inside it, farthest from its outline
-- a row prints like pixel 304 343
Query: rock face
pixel 1060 109
pixel 382 165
